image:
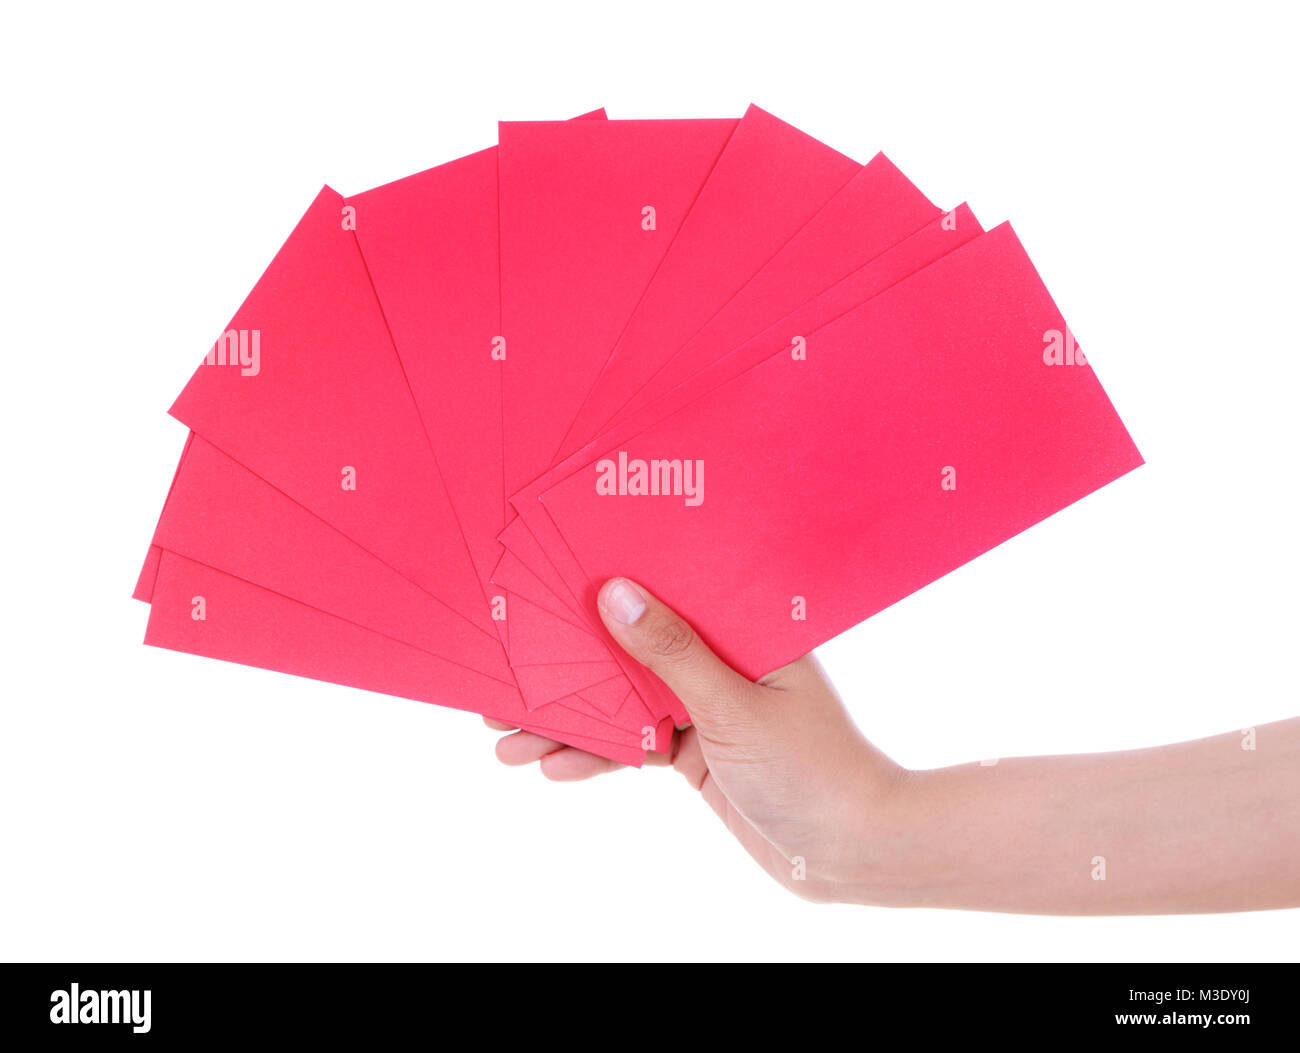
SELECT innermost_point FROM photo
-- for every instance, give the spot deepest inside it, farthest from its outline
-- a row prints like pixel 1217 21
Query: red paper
pixel 844 393
pixel 326 405
pixel 429 242
pixel 220 514
pixel 588 210
pixel 875 210
pixel 871 213
pixel 823 498
pixel 770 180
pixel 253 626
pixel 578 248
pixel 312 358
pixel 932 242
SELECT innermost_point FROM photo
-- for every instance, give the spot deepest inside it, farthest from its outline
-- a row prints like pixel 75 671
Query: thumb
pixel 714 694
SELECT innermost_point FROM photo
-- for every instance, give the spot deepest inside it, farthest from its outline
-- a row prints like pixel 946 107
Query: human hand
pixel 779 761
pixel 1208 825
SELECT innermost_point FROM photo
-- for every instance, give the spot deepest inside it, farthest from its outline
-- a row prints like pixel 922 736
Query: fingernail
pixel 624 601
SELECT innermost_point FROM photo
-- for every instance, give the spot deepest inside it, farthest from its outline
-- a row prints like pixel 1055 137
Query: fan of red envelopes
pixel 779 388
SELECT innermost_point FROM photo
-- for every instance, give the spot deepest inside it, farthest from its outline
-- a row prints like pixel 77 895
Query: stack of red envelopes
pixel 779 388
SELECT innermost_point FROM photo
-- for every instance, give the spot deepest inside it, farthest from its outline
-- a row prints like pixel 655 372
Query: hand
pixel 780 761
pixel 1209 825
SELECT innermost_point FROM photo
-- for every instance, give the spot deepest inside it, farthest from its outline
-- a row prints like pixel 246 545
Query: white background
pixel 156 805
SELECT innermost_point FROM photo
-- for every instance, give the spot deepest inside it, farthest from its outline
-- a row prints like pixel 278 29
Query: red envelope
pixel 421 323
pixel 411 261
pixel 512 575
pixel 841 396
pixel 316 403
pixel 431 246
pixel 588 210
pixel 429 242
pixel 611 695
pixel 220 514
pixel 876 209
pixel 824 490
pixel 360 328
pixel 547 681
pixel 873 210
pixel 770 180
pixel 148 575
pixel 253 626
pixel 396 612
pixel 517 539
pixel 932 242
pixel 149 571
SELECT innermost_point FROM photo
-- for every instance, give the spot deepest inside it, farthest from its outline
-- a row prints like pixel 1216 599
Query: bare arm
pixel 1211 825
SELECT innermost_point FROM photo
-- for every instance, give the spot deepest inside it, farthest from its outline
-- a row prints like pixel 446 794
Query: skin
pixel 1192 827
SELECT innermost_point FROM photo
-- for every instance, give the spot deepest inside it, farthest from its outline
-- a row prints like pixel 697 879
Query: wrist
pixel 883 861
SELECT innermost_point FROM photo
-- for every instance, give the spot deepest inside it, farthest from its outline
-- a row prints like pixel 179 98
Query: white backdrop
pixel 155 805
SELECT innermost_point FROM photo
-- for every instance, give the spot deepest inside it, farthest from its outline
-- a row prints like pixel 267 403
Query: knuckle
pixel 671 638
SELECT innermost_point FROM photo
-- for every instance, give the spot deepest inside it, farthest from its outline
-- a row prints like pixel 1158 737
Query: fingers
pixel 523 747
pixel 714 694
pixel 559 762
pixel 573 765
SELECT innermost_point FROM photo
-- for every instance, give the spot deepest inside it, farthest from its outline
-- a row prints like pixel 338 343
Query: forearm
pixel 1192 827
